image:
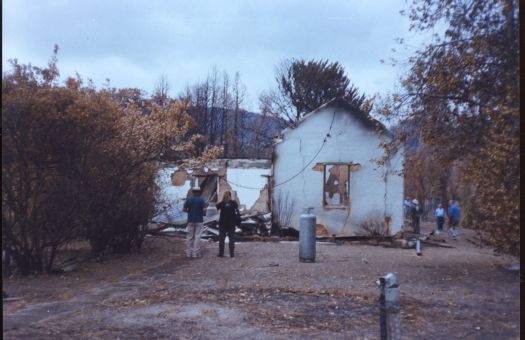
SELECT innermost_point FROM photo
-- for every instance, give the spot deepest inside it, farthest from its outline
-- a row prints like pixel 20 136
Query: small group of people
pixel 196 207
pixel 414 211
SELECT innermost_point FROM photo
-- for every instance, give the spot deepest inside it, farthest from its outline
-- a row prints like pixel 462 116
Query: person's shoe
pixel 232 255
pixel 197 255
pixel 220 255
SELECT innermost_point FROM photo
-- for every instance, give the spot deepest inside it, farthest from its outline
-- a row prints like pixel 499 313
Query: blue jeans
pixel 453 223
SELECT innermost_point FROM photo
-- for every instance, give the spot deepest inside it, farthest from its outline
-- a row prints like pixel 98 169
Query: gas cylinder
pixel 307 236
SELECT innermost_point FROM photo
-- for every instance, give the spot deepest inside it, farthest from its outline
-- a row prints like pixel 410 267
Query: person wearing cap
pixel 415 212
pixel 196 209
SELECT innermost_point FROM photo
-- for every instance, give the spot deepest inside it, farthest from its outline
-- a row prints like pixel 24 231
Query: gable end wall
pixel 371 199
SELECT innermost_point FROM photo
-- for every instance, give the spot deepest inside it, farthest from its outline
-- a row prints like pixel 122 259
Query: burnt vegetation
pixel 79 163
pixel 458 114
pixel 302 86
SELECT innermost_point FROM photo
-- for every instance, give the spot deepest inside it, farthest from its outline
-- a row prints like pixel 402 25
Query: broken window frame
pixel 346 199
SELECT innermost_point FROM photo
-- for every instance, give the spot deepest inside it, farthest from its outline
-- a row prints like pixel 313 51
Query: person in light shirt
pixel 440 218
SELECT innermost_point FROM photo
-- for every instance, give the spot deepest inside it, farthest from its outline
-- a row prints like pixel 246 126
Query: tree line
pixel 216 104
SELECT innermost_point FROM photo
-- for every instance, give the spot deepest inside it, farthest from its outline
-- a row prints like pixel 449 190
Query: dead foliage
pixel 80 163
pixel 374 228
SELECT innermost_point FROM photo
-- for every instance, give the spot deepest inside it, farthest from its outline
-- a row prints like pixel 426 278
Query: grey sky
pixel 134 42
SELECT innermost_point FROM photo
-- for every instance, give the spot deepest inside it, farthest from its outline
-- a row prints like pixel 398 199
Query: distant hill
pixel 254 135
pixel 268 126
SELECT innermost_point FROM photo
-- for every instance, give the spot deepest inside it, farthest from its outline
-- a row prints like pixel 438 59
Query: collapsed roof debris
pixel 246 179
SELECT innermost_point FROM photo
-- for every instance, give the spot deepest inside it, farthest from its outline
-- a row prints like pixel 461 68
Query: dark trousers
pixel 226 230
pixel 406 212
pixel 440 221
pixel 415 224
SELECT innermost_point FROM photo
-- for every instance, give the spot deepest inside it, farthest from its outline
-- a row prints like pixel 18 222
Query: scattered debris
pixel 321 231
pixel 289 232
pixel 11 299
pixel 434 244
pixel 211 230
pixel 256 226
pixel 70 264
pixel 399 235
pixel 513 267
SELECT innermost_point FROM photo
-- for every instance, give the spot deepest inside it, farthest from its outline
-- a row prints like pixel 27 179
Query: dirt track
pixel 265 292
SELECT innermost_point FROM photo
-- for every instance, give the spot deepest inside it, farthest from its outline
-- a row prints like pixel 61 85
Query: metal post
pixel 418 247
pixel 389 308
pixel 382 311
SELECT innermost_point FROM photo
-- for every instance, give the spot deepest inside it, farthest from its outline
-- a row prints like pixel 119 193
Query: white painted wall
pixel 244 180
pixel 350 141
pixel 171 198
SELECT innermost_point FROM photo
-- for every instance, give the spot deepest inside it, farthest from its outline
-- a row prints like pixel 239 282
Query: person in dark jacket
pixel 415 212
pixel 227 220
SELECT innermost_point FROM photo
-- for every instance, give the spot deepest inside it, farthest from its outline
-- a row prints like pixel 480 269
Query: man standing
pixel 453 218
pixel 196 209
pixel 416 213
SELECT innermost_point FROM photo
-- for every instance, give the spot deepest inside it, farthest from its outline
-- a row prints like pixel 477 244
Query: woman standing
pixel 227 220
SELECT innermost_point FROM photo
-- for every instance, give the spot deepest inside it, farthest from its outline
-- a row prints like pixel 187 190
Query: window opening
pixel 336 190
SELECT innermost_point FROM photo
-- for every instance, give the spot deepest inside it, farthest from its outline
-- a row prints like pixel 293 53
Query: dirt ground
pixel 266 293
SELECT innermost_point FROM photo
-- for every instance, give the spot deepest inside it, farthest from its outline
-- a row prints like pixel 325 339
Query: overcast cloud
pixel 134 42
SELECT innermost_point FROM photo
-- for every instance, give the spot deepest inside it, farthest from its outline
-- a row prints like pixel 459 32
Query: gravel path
pixel 266 293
